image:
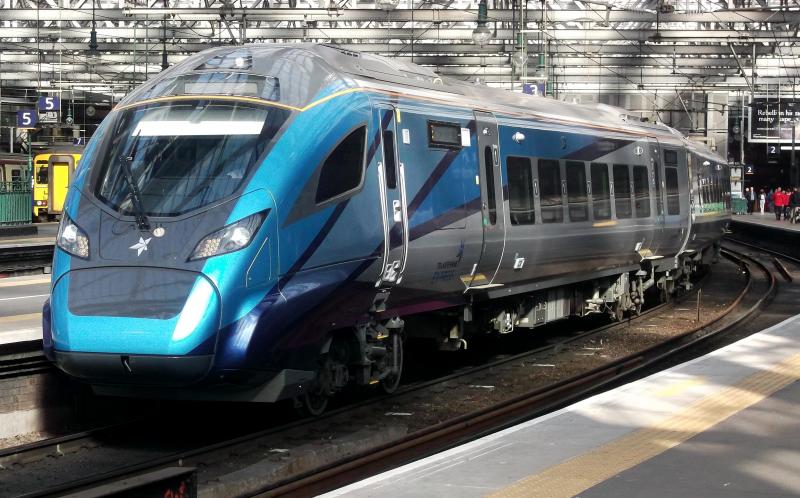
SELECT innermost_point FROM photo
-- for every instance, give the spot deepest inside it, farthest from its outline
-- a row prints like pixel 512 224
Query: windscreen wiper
pixel 136 196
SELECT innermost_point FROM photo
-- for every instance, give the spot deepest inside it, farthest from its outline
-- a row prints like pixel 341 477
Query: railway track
pixel 427 440
pixel 14 257
pixel 21 359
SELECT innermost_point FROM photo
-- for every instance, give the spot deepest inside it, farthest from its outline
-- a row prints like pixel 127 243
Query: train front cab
pixel 40 186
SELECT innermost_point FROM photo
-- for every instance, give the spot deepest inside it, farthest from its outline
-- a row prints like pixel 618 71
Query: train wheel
pixel 619 312
pixel 390 383
pixel 313 403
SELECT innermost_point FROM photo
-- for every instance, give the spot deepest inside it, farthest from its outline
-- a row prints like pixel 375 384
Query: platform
pixel 766 219
pixel 21 300
pixel 46 236
pixel 721 425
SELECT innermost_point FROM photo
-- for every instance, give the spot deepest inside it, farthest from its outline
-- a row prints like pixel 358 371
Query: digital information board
pixel 771 120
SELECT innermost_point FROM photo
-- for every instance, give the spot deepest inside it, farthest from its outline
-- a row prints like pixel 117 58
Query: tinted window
pixel 673 199
pixel 670 157
pixel 520 191
pixel 343 169
pixel 576 191
pixel 641 190
pixel 601 192
pixel 622 191
pixel 42 175
pixel 488 165
pixel 388 157
pixel 183 155
pixel 550 198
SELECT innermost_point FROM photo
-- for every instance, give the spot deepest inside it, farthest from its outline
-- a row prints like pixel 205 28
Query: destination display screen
pixel 444 134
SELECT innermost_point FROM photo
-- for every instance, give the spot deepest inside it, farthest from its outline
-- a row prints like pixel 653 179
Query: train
pixel 273 222
pixel 52 172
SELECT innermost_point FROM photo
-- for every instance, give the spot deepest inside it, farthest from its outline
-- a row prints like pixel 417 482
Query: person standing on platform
pixel 771 200
pixel 762 200
pixel 751 200
pixel 794 205
pixel 778 203
pixel 787 193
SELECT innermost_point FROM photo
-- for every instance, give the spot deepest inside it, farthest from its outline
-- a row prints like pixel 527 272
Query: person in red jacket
pixel 780 202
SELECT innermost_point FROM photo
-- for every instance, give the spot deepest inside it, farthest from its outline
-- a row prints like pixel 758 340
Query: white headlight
pixel 72 239
pixel 229 238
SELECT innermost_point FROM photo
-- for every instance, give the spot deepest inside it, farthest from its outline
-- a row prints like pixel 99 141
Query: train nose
pixel 146 314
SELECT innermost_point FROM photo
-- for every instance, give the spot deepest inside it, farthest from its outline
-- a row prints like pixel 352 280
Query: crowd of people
pixel 783 202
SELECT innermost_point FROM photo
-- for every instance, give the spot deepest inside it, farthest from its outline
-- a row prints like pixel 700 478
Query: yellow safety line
pixel 18 283
pixel 20 318
pixel 589 469
pixel 609 223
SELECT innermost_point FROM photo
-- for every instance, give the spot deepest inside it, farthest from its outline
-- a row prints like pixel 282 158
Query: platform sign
pixel 49 104
pixel 79 141
pixel 749 169
pixel 27 118
pixel 48 117
pixel 773 151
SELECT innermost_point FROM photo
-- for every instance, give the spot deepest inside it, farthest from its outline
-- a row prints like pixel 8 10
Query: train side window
pixel 550 199
pixel 641 191
pixel 670 157
pixel 388 157
pixel 488 168
pixel 520 191
pixel 576 191
pixel 673 200
pixel 622 191
pixel 601 192
pixel 343 169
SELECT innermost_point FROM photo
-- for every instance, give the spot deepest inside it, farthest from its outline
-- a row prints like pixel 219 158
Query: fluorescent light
pixel 189 128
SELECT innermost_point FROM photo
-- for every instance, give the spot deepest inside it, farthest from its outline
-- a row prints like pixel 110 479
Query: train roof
pixel 301 70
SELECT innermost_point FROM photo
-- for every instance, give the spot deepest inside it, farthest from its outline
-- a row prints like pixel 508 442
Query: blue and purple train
pixel 268 222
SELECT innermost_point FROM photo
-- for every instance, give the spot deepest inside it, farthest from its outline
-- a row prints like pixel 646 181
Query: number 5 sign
pixel 27 118
pixel 49 103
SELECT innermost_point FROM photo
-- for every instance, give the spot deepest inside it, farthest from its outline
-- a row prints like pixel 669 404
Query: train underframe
pixel 372 353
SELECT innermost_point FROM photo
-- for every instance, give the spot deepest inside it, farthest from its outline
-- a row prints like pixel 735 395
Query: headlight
pixel 229 238
pixel 72 239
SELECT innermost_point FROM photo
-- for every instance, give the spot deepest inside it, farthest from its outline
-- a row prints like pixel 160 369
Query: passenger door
pixel 394 203
pixel 492 202
pixel 657 172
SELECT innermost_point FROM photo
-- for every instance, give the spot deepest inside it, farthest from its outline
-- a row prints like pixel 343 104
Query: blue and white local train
pixel 269 221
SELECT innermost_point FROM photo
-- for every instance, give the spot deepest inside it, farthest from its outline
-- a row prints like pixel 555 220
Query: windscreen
pixel 182 155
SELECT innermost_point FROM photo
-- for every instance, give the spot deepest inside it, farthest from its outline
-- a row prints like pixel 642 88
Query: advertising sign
pixel 771 120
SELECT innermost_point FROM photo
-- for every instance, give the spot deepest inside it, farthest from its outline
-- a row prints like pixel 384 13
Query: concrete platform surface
pixel 46 235
pixel 766 219
pixel 21 300
pixel 722 425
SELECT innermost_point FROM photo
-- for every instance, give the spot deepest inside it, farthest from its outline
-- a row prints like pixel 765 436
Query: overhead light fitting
pixel 93 35
pixel 482 34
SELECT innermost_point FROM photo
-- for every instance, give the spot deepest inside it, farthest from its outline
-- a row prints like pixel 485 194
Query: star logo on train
pixel 141 246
